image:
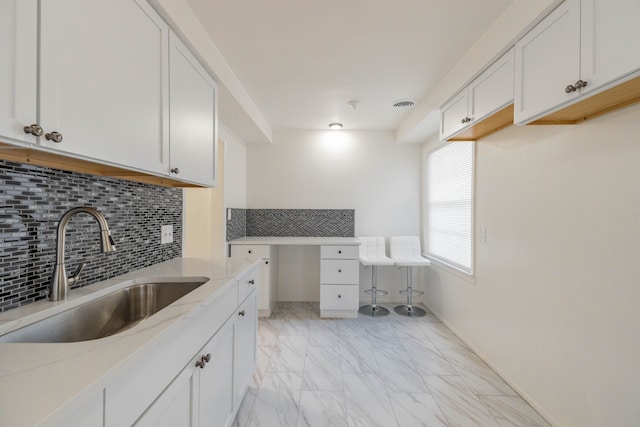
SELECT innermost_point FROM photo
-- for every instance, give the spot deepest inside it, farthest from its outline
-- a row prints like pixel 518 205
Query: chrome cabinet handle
pixel 203 361
pixel 34 129
pixel 242 313
pixel 54 136
pixel 570 88
pixel 175 170
pixel 580 83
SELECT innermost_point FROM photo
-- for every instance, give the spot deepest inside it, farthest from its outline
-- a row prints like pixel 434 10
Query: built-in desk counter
pixel 339 270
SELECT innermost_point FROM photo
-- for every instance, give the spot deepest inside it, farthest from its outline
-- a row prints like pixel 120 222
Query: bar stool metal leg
pixel 409 309
pixel 374 309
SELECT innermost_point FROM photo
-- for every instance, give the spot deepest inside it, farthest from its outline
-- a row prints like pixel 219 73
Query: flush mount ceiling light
pixel 335 125
pixel 404 103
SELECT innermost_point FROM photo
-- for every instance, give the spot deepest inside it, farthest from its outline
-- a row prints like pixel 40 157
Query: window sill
pixel 439 265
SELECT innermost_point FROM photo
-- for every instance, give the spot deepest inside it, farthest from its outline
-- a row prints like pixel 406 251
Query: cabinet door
pixel 104 77
pixel 18 67
pixel 193 137
pixel 493 89
pixel 452 115
pixel 177 405
pixel 216 379
pixel 547 61
pixel 264 287
pixel 245 361
pixel 610 37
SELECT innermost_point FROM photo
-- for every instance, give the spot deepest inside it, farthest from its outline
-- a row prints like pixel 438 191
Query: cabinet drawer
pixel 339 252
pixel 338 272
pixel 253 252
pixel 247 284
pixel 339 297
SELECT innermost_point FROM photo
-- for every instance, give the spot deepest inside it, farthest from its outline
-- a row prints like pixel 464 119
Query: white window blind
pixel 450 205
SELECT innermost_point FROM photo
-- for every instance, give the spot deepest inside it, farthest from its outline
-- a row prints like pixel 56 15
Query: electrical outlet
pixel 166 235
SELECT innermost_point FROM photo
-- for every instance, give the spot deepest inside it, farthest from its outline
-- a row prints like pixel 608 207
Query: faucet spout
pixel 60 281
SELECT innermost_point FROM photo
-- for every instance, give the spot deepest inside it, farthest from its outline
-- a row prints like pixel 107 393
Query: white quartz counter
pixel 39 379
pixel 275 240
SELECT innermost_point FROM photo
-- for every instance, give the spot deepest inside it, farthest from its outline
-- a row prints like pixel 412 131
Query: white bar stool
pixel 405 251
pixel 372 253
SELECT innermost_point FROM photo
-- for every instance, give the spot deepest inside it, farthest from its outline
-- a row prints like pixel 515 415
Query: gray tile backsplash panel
pixel 237 224
pixel 301 222
pixel 32 200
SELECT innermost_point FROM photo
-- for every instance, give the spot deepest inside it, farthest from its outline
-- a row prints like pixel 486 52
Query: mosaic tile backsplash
pixel 236 223
pixel 32 200
pixel 292 222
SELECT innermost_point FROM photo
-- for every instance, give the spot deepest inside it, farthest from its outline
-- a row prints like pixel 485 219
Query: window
pixel 449 205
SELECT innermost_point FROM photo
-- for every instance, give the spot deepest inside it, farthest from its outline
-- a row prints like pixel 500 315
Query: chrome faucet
pixel 60 282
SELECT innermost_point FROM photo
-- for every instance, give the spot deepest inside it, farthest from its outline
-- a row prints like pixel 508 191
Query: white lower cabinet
pixel 196 377
pixel 246 327
pixel 339 281
pixel 201 395
pixel 209 391
pixel 268 273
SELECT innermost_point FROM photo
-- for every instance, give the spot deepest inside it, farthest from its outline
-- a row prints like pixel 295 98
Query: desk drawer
pixel 339 272
pixel 252 252
pixel 339 252
pixel 339 297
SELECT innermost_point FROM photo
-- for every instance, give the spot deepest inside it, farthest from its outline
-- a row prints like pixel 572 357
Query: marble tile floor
pixel 383 371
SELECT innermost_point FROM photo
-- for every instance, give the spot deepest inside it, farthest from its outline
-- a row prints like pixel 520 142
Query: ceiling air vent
pixel 404 104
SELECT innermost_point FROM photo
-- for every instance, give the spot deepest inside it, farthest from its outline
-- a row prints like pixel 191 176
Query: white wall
pixel 235 171
pixel 362 170
pixel 554 304
pixel 203 218
pixel 204 221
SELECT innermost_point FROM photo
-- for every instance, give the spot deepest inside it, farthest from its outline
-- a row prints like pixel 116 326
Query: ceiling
pixel 302 61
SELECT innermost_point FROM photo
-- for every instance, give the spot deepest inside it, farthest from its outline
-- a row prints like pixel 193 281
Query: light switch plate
pixel 483 235
pixel 166 234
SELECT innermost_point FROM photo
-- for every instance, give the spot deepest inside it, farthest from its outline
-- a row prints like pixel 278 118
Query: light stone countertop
pixel 38 379
pixel 276 240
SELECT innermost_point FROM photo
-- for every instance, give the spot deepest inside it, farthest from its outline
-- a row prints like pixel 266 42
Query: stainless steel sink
pixel 105 316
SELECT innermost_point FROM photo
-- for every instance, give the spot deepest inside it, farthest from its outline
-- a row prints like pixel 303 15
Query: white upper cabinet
pixel 193 109
pixel 18 68
pixel 581 61
pixel 103 80
pixel 104 86
pixel 453 115
pixel 610 37
pixel 548 63
pixel 471 113
pixel 493 89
